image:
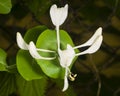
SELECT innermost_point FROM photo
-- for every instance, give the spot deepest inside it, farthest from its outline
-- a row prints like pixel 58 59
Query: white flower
pixel 58 15
pixel 66 56
pixel 32 48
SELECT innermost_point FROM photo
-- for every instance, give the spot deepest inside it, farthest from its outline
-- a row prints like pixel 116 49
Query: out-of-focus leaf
pixel 93 13
pixel 3 63
pixel 7 84
pixel 31 88
pixel 118 9
pixel 110 3
pixel 5 6
pixel 96 58
pixel 47 40
pixel 38 7
pixel 112 71
pixel 112 39
pixel 26 65
pixel 57 90
pixel 115 22
pixel 17 10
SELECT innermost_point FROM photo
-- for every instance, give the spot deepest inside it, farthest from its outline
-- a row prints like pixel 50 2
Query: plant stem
pixel 58 37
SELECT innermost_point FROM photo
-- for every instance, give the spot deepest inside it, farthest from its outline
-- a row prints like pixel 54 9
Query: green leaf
pixel 31 88
pixel 33 33
pixel 26 65
pixel 7 84
pixel 5 6
pixel 3 63
pixel 47 40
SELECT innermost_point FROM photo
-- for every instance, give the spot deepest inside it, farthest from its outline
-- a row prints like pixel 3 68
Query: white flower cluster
pixel 58 16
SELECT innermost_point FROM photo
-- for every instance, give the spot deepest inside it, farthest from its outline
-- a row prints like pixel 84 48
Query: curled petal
pixel 58 15
pixel 94 47
pixel 65 80
pixel 92 39
pixel 23 45
pixel 35 54
pixel 66 56
pixel 20 42
pixel 64 14
pixel 53 13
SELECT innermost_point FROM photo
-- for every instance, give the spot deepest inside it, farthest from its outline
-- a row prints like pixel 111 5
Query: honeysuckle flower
pixel 32 48
pixel 66 56
pixel 58 16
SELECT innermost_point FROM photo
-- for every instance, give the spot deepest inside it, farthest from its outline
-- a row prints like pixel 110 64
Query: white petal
pixel 35 54
pixel 66 56
pixel 20 42
pixel 58 15
pixel 92 39
pixel 64 13
pixel 65 80
pixel 96 45
pixel 52 14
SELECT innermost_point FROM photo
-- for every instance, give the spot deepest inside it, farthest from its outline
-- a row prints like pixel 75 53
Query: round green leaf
pixel 26 65
pixel 5 6
pixel 33 33
pixel 47 40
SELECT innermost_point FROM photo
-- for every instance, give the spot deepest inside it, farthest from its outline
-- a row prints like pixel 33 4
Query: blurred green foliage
pixel 99 72
pixel 3 64
pixel 5 6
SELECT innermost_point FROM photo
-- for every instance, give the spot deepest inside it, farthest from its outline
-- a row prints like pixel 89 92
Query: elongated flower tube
pixel 32 49
pixel 58 16
pixel 66 56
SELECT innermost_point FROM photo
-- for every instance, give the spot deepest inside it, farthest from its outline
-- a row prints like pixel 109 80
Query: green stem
pixel 12 68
